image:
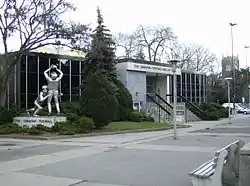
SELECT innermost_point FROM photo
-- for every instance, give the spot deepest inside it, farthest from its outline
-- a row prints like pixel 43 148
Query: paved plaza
pixel 137 159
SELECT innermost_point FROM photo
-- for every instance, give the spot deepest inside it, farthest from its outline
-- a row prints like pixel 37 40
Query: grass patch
pixel 128 125
pixel 13 130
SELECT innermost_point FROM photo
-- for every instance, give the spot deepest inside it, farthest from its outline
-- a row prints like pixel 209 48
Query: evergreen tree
pixel 102 53
pixel 99 101
pixel 104 97
pixel 124 98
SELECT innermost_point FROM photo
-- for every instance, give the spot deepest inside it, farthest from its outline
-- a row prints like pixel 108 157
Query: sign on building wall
pixel 151 68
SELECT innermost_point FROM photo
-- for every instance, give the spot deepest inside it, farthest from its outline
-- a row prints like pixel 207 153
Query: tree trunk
pixel 3 96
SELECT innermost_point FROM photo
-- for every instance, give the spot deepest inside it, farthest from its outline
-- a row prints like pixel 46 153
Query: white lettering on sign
pixel 151 68
pixel 33 121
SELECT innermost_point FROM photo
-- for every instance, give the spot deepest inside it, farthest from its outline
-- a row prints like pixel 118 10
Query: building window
pixel 202 88
pixel 183 84
pixel 193 87
pixel 43 64
pixel 188 87
pixel 178 79
pixel 75 84
pixel 65 66
pixel 75 67
pixel 197 88
pixel 32 64
pixel 32 83
pixel 65 86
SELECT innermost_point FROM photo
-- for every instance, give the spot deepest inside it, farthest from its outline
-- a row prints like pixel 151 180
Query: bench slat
pixel 204 170
pixel 207 169
pixel 207 172
pixel 202 166
pixel 210 173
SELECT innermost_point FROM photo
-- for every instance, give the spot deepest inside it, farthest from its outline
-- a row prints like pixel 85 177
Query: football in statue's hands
pixel 53 66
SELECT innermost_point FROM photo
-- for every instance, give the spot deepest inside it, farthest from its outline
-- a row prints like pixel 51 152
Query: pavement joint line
pixel 218 134
pixel 30 179
pixel 172 148
pixel 77 183
pixel 40 160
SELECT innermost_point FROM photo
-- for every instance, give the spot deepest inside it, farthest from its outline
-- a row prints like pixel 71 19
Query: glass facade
pixel 32 78
pixel 193 87
pixel 28 79
pixel 190 85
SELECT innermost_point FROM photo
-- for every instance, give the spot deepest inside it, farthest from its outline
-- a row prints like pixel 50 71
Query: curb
pixel 16 136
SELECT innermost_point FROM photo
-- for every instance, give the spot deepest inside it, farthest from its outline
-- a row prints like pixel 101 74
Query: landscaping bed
pixel 41 132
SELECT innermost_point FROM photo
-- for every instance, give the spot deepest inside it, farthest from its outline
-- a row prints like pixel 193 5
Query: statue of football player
pixel 39 101
pixel 53 86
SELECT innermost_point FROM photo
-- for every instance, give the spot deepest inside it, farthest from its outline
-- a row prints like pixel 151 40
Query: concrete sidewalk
pixel 138 159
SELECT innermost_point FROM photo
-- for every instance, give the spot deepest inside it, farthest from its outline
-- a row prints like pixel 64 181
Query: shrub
pixel 5 116
pixel 99 101
pixel 35 131
pixel 213 111
pixel 10 128
pixel 136 116
pixel 85 124
pixel 67 132
pixel 73 117
pixel 15 110
pixel 70 108
pixel 213 115
pixel 64 128
pixel 148 118
pixel 42 128
pixel 125 101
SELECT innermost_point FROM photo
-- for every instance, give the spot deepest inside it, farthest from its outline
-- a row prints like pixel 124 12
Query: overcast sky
pixel 203 22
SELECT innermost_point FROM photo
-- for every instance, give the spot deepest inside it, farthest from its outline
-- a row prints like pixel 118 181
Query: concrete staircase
pixel 161 116
pixel 190 116
pixel 153 110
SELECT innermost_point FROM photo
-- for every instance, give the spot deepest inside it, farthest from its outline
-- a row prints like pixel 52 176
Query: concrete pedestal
pixel 30 121
pixel 245 165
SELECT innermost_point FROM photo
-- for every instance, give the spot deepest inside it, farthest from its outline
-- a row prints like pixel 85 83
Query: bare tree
pixel 127 43
pixel 155 40
pixel 34 24
pixel 148 40
pixel 193 57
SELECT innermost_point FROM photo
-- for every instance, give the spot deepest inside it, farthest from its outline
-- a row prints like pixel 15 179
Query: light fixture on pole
pixel 246 47
pixel 233 66
pixel 174 64
pixel 247 71
pixel 228 80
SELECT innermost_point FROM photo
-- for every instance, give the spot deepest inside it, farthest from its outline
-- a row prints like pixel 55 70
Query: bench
pixel 222 169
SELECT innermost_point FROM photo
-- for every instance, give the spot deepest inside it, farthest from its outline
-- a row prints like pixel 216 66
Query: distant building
pixel 227 68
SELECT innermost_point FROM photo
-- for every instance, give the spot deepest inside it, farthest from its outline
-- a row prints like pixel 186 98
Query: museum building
pixel 140 77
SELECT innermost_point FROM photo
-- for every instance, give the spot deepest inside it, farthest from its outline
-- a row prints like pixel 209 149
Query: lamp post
pixel 246 47
pixel 228 79
pixel 233 70
pixel 174 63
pixel 247 71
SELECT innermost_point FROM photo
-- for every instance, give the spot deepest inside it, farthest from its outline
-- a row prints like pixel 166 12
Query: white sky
pixel 203 22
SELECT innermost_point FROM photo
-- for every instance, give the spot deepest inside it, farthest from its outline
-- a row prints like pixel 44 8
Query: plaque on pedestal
pixel 30 121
